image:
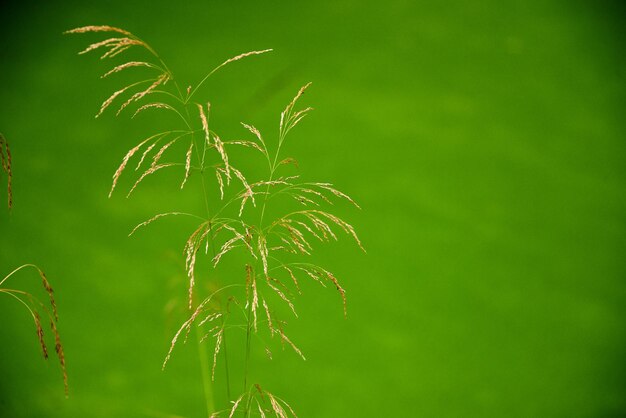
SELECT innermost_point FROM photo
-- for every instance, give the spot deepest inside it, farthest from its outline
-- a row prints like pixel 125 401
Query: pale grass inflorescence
pixel 39 312
pixel 269 248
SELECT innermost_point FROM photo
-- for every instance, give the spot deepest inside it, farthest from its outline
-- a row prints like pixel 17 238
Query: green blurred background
pixel 483 139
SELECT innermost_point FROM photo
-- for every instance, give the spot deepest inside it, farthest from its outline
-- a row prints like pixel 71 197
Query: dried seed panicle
pixel 187 163
pixel 5 160
pixel 256 133
pixel 108 101
pixel 50 292
pixel 154 218
pixel 96 28
pixel 287 119
pixel 220 181
pixel 210 318
pixel 235 406
pixel 278 409
pixel 219 145
pixel 205 122
pixel 58 347
pixel 42 342
pixel 101 44
pixel 255 301
pixel 126 65
pixel 340 289
pixel 288 341
pixel 263 251
pixel 185 326
pixel 282 295
pixel 162 79
pixel 126 158
pixel 218 345
pixel 151 170
pixel 293 277
pixel 240 56
pixel 269 319
pixel 155 105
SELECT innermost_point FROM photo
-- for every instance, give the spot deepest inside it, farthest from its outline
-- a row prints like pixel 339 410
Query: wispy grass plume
pixel 274 249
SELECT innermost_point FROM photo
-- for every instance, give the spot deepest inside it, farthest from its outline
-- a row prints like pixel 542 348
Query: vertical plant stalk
pixel 206 373
pixel 248 346
pixel 226 369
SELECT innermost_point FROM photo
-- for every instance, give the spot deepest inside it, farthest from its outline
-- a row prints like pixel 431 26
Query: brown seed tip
pixel 5 159
pixel 48 288
pixel 58 347
pixel 42 343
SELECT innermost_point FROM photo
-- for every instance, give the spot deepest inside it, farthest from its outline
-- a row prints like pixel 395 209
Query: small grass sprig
pixel 37 309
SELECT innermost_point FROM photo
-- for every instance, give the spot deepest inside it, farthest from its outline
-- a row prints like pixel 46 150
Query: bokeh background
pixel 483 139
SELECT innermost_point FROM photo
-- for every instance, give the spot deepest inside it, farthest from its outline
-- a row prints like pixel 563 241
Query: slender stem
pixel 210 237
pixel 220 66
pixel 167 93
pixel 206 205
pixel 204 363
pixel 10 293
pixel 202 82
pixel 226 359
pixel 272 168
pixel 248 344
pixel 18 269
pixel 267 190
pixel 272 171
pixel 173 109
pixel 205 371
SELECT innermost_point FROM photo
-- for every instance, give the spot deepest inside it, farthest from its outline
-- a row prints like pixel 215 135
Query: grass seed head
pixel 102 28
pixel 58 347
pixel 5 158
pixel 42 342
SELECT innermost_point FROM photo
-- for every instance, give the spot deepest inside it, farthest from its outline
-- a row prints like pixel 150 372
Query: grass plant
pixel 273 248
pixel 39 312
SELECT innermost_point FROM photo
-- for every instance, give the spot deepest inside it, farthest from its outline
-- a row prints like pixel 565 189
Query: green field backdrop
pixel 484 140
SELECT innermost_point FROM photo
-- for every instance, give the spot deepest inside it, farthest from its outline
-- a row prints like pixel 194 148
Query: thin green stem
pixel 167 93
pixel 249 325
pixel 10 293
pixel 190 95
pixel 204 363
pixel 248 344
pixel 226 359
pixel 173 109
pixel 205 371
pixel 210 235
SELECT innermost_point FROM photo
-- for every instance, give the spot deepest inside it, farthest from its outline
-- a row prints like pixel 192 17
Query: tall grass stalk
pixel 236 222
